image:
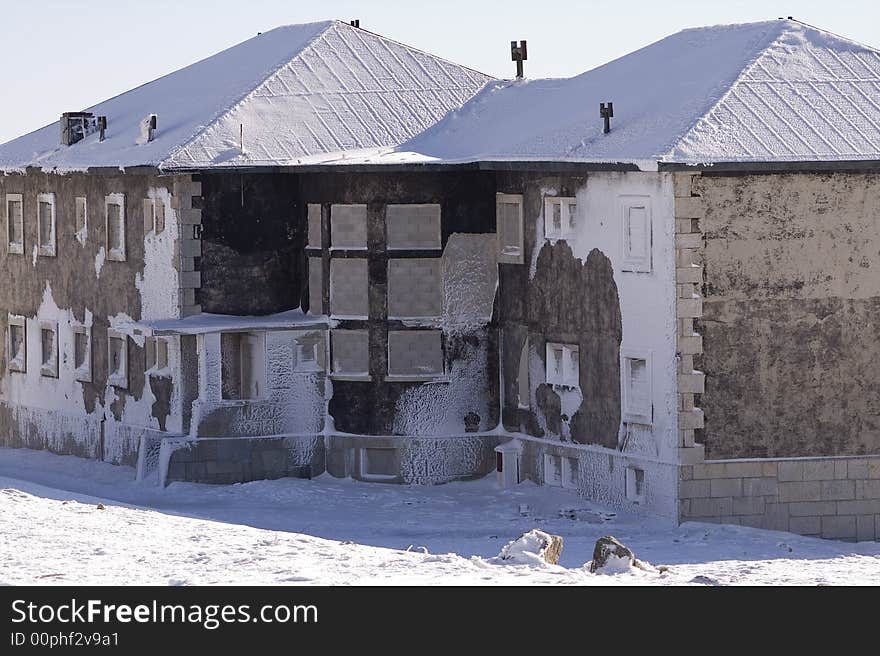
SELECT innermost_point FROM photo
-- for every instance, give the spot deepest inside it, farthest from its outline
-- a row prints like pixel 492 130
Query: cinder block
pixel 190 310
pixel 759 487
pixel 693 383
pixel 692 345
pixel 190 217
pixel 688 308
pixel 692 240
pixel 715 507
pixel 686 441
pixel 748 506
pixel 805 525
pixel 800 491
pixel 838 490
pixel 685 402
pixel 187 296
pixel 714 470
pixel 742 469
pixel 869 489
pixel 692 489
pixel 874 468
pixel 683 226
pixel 692 455
pixel 689 207
pixel 690 420
pixel 691 274
pixel 686 258
pixel 194 187
pixel 685 326
pixel 818 470
pixel 770 469
pixel 187 264
pixel 812 508
pixel 190 279
pixel 857 469
pixel 839 527
pixel 751 520
pixel 775 517
pixel 790 471
pixel 685 473
pixel 840 469
pixel 860 507
pixel 865 528
pixel 685 364
pixel 726 487
pixel 190 247
pixel 681 184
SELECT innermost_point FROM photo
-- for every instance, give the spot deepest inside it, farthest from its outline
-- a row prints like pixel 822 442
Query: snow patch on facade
pixel 159 285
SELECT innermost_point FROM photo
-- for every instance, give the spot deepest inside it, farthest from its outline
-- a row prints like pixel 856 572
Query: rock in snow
pixel 611 556
pixel 532 547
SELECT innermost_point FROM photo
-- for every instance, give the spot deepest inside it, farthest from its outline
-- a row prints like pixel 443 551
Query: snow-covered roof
pixel 770 91
pixel 297 93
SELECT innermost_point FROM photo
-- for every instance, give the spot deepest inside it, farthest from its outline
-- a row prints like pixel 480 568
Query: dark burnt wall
pixel 71 273
pixel 252 240
pixel 791 315
pixel 568 301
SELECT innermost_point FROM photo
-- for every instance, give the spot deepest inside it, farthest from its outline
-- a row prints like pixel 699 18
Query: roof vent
pixel 75 126
pixel 102 127
pixel 606 112
pixel 148 129
pixel 519 54
pixel 356 23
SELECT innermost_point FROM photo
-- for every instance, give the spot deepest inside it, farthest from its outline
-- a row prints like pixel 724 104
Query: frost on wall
pixel 434 461
pixel 470 281
pixel 159 284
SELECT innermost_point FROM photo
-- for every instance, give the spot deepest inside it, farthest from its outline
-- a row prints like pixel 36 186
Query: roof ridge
pixel 274 71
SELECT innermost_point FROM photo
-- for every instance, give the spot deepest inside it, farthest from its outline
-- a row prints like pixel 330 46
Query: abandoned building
pixel 653 283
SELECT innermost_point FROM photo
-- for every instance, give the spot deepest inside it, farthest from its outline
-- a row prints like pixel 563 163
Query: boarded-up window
pixel 314 212
pixel 114 209
pixel 349 291
pixel 14 223
pixel 413 226
pixel 560 471
pixel 509 219
pixel 379 463
pixel 415 354
pixel 117 359
pixel 637 402
pixel 316 285
pixel 242 365
pixel 49 349
pixel 82 353
pixel 563 365
pixel 560 217
pixel 350 353
pixel 154 216
pixel 636 225
pixel 348 226
pixel 46 224
pixel 81 219
pixel 415 288
pixel 16 346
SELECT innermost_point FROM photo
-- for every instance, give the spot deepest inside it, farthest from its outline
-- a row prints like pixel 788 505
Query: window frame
pixel 366 282
pixel 14 248
pixel 440 291
pixel 629 262
pixel 349 375
pixel 566 231
pixel 509 253
pixel 47 249
pixel 341 247
pixel 117 378
pixel 436 245
pixel 115 254
pixel 566 381
pixel 50 369
pixel 82 373
pixel 17 364
pixel 630 414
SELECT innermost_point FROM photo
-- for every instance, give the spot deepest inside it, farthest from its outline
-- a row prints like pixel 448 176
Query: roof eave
pixel 757 167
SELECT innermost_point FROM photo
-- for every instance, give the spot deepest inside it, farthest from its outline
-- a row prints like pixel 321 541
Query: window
pixel 154 216
pixel 314 226
pixel 560 217
pixel 49 349
pixel 636 225
pixel 635 484
pixel 309 352
pixel 82 219
pixel 117 359
pixel 16 345
pixel 114 208
pixel 415 354
pixel 413 226
pixel 380 463
pixel 348 227
pixel 563 365
pixel 14 223
pixel 523 388
pixel 560 471
pixel 82 353
pixel 350 354
pixel 637 401
pixel 156 354
pixel 509 219
pixel 46 224
pixel 316 285
pixel 349 288
pixel 242 365
pixel 415 288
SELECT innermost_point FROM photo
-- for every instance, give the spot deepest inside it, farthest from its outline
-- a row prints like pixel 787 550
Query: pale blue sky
pixel 61 55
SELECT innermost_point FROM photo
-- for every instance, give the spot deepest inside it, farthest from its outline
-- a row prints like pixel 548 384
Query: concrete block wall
pixel 187 202
pixel 688 212
pixel 825 497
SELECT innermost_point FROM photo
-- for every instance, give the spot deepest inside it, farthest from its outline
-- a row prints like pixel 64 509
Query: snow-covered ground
pixel 332 532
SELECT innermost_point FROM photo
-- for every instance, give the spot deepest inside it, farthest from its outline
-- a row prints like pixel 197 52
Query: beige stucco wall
pixel 791 314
